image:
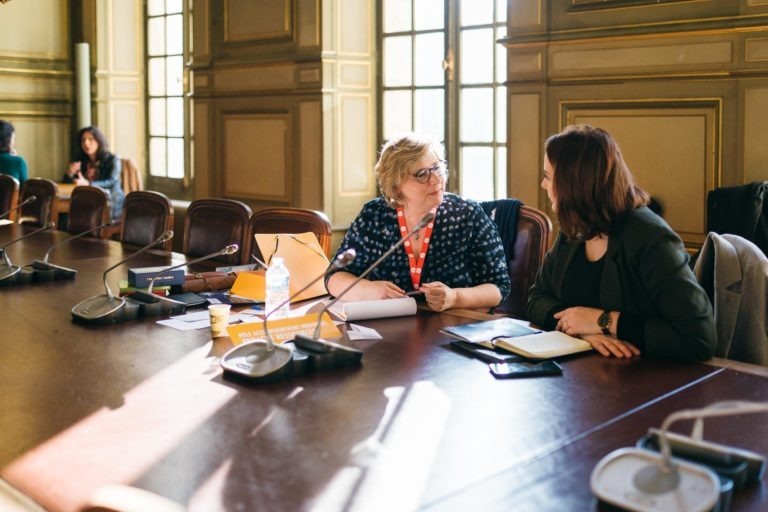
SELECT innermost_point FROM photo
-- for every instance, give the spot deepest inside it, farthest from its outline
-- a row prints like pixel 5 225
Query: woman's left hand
pixel 578 321
pixel 439 296
pixel 610 346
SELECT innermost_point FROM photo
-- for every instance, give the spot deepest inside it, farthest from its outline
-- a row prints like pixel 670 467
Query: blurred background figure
pixel 95 165
pixel 11 163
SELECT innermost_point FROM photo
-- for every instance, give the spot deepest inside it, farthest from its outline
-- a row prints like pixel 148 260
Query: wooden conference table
pixel 417 426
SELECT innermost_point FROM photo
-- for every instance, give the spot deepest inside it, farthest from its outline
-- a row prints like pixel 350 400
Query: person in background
pixel 11 163
pixel 96 166
pixel 457 260
pixel 617 275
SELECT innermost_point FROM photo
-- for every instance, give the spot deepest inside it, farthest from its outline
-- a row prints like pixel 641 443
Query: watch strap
pixel 604 322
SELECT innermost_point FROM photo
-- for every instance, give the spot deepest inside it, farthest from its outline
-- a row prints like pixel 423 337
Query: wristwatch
pixel 604 322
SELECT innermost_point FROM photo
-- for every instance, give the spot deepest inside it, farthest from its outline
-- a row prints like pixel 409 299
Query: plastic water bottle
pixel 278 291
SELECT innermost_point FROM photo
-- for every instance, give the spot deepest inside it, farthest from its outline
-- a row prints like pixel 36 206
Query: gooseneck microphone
pixel 154 305
pixel 664 476
pixel 18 206
pixel 10 269
pixel 45 270
pixel 51 248
pixel 263 358
pixel 641 478
pixel 426 219
pixel 107 308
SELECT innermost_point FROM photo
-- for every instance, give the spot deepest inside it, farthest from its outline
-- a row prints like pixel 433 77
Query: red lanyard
pixel 415 263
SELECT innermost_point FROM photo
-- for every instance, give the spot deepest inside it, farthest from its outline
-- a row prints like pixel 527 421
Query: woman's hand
pixel 383 290
pixel 74 169
pixel 439 296
pixel 79 180
pixel 578 321
pixel 610 346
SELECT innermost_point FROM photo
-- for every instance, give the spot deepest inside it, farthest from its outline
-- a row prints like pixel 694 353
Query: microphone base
pixel 327 355
pixel 103 310
pixel 45 271
pixel 632 479
pixel 9 275
pixel 246 361
pixel 155 305
pixel 255 362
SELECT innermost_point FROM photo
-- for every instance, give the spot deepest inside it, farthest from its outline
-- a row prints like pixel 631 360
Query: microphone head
pixel 344 259
pixel 426 219
pixel 230 249
pixel 30 199
pixel 167 236
pixel 50 225
pixel 109 223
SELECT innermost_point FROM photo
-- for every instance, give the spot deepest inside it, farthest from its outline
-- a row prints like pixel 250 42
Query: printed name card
pixel 283 329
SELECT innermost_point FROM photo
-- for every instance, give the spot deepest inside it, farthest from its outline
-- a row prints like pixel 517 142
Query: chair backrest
pixel 146 215
pixel 43 209
pixel 88 208
pixel 212 224
pixel 734 273
pixel 9 196
pixel 291 220
pixel 533 235
pixel 741 210
pixel 130 176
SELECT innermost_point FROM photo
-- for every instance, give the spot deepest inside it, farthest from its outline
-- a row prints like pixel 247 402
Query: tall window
pixel 165 88
pixel 443 72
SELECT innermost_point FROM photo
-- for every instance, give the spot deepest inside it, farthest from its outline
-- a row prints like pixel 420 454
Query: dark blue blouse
pixel 464 251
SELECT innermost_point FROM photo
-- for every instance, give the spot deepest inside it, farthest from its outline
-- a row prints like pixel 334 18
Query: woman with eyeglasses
pixel 456 261
pixel 617 275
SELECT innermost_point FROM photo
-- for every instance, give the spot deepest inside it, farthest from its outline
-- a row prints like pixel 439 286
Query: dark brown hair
pixel 101 140
pixel 6 133
pixel 592 183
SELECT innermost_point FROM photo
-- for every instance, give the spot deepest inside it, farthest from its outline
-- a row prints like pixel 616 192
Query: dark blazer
pixel 645 273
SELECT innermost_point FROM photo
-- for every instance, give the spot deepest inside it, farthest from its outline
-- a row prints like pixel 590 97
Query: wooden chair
pixel 88 208
pixel 9 196
pixel 291 220
pixel 130 176
pixel 532 240
pixel 146 215
pixel 43 209
pixel 212 224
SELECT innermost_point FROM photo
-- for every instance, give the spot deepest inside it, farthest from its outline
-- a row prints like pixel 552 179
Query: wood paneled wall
pixel 284 103
pixel 681 84
pixel 36 81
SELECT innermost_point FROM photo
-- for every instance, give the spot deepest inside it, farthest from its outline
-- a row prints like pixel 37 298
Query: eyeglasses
pixel 423 175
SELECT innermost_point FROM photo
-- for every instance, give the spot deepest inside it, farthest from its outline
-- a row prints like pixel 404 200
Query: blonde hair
pixel 397 157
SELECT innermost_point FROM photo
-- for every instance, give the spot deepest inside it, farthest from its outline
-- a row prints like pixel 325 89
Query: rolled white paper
pixel 367 309
pixel 83 84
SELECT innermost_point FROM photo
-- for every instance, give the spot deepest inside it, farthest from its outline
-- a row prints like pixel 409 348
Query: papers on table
pixel 369 309
pixel 358 332
pixel 196 320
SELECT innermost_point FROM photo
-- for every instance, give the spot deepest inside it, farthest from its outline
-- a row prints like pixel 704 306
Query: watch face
pixel 604 319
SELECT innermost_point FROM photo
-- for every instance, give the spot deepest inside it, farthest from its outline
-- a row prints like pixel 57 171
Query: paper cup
pixel 219 319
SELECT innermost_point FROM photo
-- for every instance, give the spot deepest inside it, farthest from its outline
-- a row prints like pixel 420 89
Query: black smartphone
pixel 192 300
pixel 482 353
pixel 519 370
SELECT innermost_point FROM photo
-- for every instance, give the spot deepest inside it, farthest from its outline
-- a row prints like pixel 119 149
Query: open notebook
pixel 517 337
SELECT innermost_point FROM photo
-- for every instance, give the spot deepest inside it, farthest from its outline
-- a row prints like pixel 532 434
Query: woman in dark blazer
pixel 617 276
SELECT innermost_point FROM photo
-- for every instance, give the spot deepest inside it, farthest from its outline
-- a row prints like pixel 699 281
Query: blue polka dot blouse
pixel 464 251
